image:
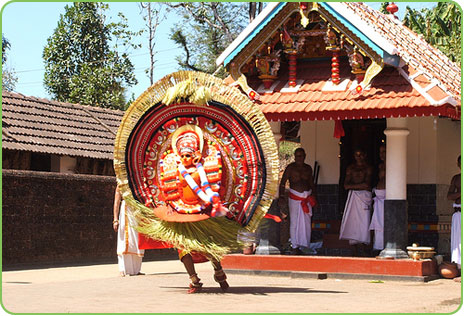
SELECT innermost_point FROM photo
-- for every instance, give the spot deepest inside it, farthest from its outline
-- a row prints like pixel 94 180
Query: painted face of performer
pixel 188 149
pixel 186 159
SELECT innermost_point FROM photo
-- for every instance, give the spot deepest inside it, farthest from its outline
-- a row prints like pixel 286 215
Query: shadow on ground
pixel 254 290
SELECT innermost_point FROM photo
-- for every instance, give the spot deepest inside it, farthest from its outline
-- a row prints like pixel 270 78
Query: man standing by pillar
pixel 302 197
pixel 454 193
pixel 356 216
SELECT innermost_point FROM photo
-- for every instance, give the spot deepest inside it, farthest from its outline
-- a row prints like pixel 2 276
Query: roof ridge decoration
pixel 251 39
pixel 382 38
pixel 448 77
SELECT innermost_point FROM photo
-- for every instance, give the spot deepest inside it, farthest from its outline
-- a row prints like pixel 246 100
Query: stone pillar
pixel 269 231
pixel 396 208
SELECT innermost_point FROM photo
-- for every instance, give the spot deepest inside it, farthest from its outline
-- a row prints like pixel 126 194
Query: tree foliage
pixel 383 8
pixel 81 66
pixel 9 78
pixel 205 31
pixel 440 26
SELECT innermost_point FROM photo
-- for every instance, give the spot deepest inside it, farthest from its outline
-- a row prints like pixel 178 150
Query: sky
pixel 27 25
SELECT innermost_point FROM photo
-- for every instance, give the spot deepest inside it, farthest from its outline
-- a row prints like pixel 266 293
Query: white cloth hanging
pixel 456 236
pixel 129 254
pixel 377 221
pixel 356 217
pixel 300 222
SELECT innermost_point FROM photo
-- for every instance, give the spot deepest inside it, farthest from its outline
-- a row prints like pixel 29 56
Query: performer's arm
pixel 453 192
pixel 116 208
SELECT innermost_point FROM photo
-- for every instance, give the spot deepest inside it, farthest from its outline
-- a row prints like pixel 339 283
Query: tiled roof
pixel 52 127
pixel 422 58
pixel 425 82
pixel 390 95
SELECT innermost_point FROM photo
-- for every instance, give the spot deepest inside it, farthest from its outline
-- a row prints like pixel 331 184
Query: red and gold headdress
pixel 192 110
pixel 188 138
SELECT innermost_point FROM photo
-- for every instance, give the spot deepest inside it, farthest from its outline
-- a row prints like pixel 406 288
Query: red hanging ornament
pixel 392 8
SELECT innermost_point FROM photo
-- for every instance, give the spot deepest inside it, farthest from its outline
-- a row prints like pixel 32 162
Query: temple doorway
pixel 360 134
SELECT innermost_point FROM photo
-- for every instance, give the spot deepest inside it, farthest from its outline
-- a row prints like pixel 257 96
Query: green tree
pixel 9 78
pixel 205 31
pixel 383 8
pixel 440 26
pixel 81 66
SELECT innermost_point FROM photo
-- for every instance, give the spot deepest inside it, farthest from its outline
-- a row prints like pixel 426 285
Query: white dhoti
pixel 456 236
pixel 356 217
pixel 377 221
pixel 129 254
pixel 300 222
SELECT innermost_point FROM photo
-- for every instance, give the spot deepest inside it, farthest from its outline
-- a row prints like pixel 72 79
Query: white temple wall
pixel 433 146
pixel 320 145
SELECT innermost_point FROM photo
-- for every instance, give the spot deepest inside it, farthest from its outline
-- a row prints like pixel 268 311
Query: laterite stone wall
pixel 57 218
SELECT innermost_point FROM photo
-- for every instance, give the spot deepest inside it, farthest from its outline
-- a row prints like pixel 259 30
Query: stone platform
pixel 322 267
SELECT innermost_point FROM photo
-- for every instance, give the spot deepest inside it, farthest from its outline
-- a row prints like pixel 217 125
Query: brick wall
pixel 51 217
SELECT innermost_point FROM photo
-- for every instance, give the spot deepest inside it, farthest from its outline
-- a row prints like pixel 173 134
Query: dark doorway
pixel 360 134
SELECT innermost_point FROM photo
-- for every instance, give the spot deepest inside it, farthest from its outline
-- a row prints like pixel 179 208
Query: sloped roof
pixel 432 80
pixel 44 126
pixel 420 56
pixel 389 91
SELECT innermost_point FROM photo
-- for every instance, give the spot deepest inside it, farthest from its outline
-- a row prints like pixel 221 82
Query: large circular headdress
pixel 239 155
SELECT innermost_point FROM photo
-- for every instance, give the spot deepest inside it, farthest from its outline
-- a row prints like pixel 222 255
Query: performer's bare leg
pixel 219 275
pixel 195 285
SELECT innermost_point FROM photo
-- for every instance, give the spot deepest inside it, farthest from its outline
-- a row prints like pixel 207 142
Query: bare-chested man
pixel 377 222
pixel 302 197
pixel 454 194
pixel 356 216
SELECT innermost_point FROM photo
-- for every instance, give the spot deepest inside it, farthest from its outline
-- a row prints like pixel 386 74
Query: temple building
pixel 347 76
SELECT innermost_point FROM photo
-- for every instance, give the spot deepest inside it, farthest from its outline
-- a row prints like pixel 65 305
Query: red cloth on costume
pixel 148 243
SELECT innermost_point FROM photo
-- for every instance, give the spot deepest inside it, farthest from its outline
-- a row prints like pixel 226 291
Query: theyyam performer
pixel 197 162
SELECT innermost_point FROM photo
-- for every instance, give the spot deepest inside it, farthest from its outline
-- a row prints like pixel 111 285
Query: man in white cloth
pixel 356 216
pixel 129 254
pixel 377 221
pixel 454 194
pixel 301 199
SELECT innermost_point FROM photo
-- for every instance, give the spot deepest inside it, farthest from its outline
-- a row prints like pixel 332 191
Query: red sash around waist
pixel 304 201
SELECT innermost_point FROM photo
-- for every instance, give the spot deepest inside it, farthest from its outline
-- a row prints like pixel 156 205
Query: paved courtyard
pixel 99 289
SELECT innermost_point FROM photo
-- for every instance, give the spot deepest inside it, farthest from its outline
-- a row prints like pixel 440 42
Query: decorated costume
pixel 356 217
pixel 300 218
pixel 377 222
pixel 197 161
pixel 129 254
pixel 456 235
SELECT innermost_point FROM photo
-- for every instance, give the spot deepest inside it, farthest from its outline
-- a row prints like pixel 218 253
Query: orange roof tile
pixel 412 48
pixel 389 95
